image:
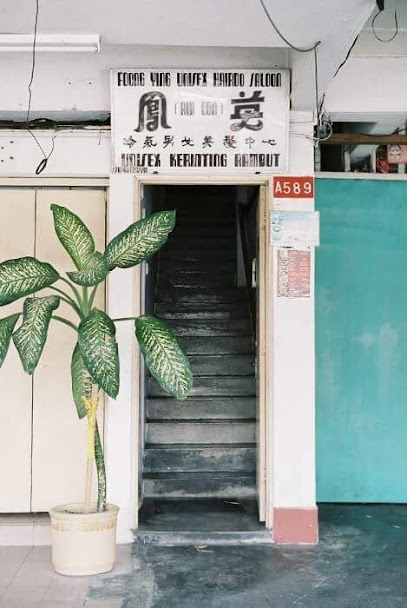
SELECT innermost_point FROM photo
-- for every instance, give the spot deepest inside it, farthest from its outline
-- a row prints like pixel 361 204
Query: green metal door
pixel 361 316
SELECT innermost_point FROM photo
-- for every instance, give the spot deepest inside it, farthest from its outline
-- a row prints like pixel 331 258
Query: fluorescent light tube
pixel 50 43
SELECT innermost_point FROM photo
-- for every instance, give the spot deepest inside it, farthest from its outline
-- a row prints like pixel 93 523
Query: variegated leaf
pixel 30 338
pixel 81 381
pixel 164 357
pixel 140 240
pixel 73 235
pixel 98 346
pixel 22 277
pixel 94 271
pixel 6 330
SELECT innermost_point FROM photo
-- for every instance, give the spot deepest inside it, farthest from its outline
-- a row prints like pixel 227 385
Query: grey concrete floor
pixel 361 562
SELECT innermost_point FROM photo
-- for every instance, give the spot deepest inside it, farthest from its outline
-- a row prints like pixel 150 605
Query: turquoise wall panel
pixel 361 320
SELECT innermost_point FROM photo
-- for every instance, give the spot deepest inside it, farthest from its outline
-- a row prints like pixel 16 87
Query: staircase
pixel 205 446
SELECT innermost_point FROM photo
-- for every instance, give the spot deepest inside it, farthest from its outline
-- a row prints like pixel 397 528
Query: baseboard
pixel 295 525
pixel 25 529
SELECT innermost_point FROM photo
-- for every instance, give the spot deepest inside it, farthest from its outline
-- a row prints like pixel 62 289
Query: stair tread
pixel 199 446
pixel 204 474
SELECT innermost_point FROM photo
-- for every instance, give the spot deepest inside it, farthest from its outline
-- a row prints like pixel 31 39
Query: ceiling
pixel 236 31
pixel 189 22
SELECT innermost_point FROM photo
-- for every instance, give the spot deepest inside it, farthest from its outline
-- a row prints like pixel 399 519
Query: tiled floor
pixel 27 580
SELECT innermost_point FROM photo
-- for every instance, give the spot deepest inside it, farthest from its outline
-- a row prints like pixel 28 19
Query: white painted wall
pixel 372 85
pixel 294 360
pixel 294 446
pixel 369 89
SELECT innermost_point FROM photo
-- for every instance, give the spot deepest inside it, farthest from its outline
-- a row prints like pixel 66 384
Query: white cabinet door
pixel 59 439
pixel 17 225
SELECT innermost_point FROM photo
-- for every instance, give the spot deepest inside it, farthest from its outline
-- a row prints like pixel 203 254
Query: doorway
pixel 207 456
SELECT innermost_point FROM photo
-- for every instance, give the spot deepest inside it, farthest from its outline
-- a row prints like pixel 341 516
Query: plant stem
pixel 74 289
pixel 92 296
pixel 65 321
pixel 91 404
pixel 68 300
pixel 85 300
pixel 101 472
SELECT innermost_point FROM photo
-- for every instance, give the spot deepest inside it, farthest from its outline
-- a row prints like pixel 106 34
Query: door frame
pixel 264 465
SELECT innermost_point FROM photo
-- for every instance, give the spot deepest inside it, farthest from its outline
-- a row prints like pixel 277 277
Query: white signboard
pixel 295 228
pixel 200 121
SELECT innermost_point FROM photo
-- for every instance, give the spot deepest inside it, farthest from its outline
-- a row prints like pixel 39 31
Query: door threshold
pixel 201 522
pixel 201 540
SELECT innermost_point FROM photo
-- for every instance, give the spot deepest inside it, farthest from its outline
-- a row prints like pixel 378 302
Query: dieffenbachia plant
pixel 95 359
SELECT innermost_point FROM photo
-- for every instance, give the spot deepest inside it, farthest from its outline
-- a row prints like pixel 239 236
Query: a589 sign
pixel 293 187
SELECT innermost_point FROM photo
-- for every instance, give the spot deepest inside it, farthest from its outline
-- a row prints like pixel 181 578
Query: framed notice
pixel 294 228
pixel 199 121
pixel 294 273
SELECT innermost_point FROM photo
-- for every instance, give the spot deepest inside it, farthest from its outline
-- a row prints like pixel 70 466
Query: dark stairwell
pixel 204 447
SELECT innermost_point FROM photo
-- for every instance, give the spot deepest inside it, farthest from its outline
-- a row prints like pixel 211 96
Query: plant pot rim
pixel 73 510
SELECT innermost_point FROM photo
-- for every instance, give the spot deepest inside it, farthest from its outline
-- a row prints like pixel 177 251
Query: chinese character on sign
pixel 187 141
pixel 247 110
pixel 168 141
pixel 270 142
pixel 129 141
pixel 149 142
pixel 207 141
pixel 229 141
pixel 249 141
pixel 152 112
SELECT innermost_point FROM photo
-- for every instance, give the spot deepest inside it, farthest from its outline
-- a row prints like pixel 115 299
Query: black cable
pixel 40 168
pixel 395 33
pixel 296 48
pixel 347 55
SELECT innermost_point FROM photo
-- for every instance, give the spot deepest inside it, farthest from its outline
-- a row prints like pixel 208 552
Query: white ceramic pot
pixel 83 543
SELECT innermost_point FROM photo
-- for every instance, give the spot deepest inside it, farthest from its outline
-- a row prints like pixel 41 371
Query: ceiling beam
pixel 355 139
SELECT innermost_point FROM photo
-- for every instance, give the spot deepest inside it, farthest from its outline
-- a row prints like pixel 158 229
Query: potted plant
pixel 84 535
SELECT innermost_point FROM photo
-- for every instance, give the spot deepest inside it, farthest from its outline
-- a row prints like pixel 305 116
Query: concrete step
pixel 185 257
pixel 177 279
pixel 188 262
pixel 222 365
pixel 203 539
pixel 209 485
pixel 198 458
pixel 210 327
pixel 191 271
pixel 214 345
pixel 196 246
pixel 202 408
pixel 213 386
pixel 208 230
pixel 193 294
pixel 206 224
pixel 214 432
pixel 190 310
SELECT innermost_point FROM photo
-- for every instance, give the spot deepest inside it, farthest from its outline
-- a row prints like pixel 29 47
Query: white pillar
pixel 121 454
pixel 295 514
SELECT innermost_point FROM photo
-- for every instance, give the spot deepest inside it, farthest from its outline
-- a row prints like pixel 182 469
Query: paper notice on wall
pixel 294 273
pixel 295 228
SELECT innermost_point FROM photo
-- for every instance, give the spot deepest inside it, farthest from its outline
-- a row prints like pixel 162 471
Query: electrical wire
pixel 396 22
pixel 347 55
pixel 296 48
pixel 310 49
pixel 43 163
